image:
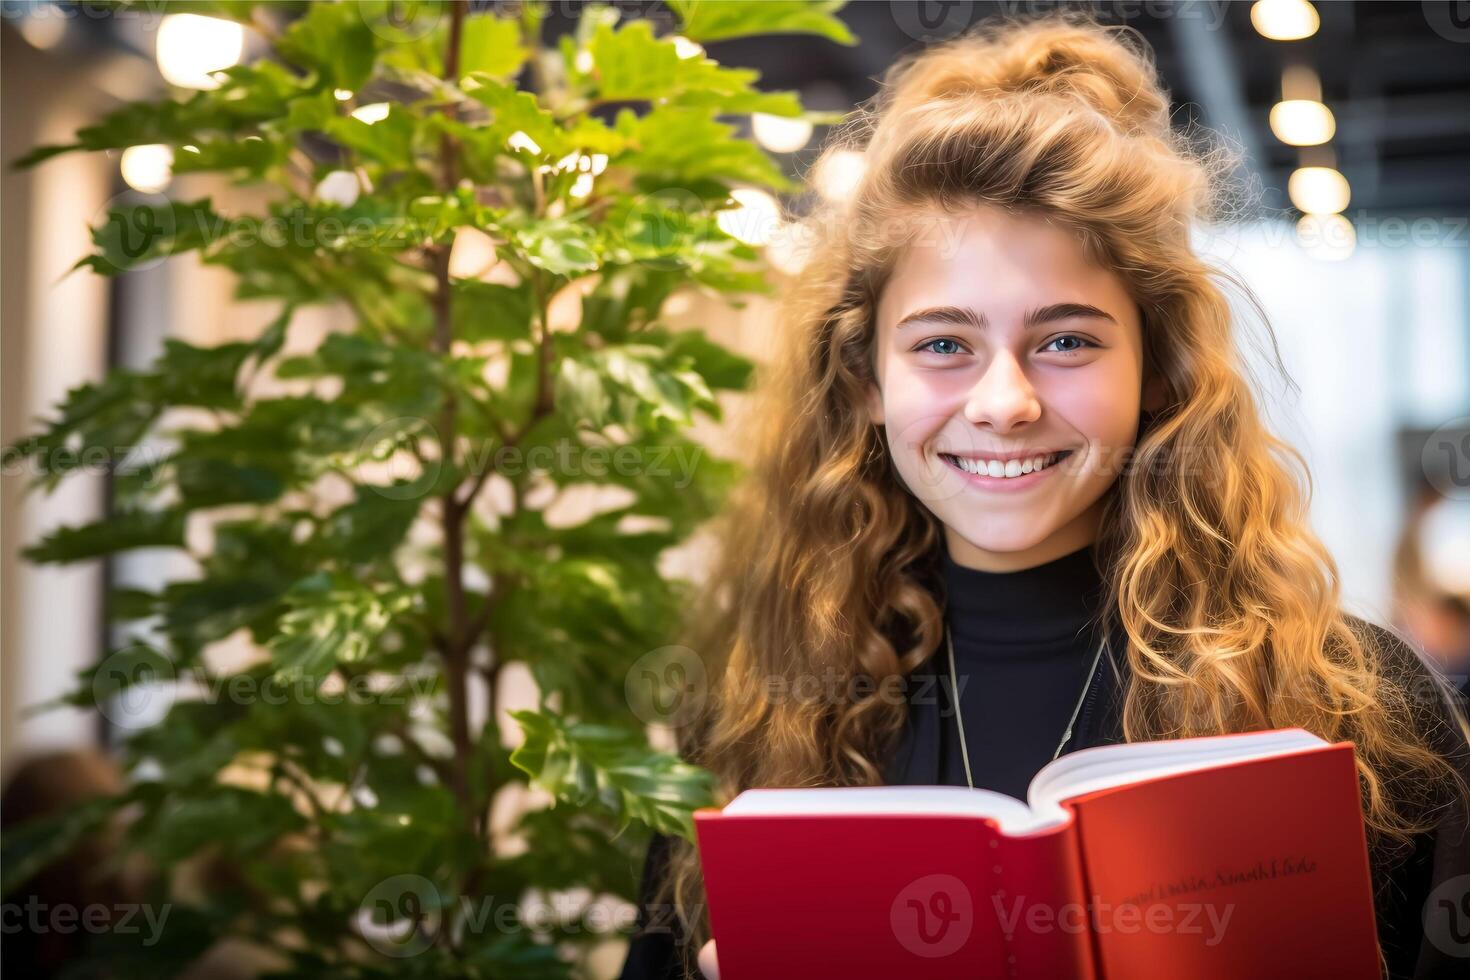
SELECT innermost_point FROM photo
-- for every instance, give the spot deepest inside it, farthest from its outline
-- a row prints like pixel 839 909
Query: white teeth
pixel 1007 470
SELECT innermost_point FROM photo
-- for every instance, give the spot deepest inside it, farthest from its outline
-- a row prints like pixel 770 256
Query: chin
pixel 1000 537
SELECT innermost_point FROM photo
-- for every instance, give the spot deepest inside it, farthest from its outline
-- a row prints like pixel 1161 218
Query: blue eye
pixel 929 345
pixel 1081 343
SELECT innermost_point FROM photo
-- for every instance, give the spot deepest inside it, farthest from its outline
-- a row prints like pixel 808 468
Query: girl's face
pixel 1010 381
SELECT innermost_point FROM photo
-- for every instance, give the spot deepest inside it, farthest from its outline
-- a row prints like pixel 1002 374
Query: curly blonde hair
pixel 1229 603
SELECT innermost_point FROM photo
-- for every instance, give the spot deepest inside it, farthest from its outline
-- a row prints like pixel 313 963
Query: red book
pixel 1229 857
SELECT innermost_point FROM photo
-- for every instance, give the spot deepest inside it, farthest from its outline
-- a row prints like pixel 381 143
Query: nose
pixel 1003 397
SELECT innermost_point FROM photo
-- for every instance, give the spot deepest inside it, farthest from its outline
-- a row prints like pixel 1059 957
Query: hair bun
pixel 1103 67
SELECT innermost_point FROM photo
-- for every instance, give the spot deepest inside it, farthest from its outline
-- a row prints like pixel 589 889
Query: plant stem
pixel 456 650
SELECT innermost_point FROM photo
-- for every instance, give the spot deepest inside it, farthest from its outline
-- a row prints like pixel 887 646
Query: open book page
pixel 1080 772
pixel 956 800
pixel 1108 766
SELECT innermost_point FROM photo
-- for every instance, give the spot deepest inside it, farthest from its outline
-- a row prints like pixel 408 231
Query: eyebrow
pixel 960 316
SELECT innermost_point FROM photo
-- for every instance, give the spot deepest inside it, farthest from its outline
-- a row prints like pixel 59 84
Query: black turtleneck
pixel 1023 642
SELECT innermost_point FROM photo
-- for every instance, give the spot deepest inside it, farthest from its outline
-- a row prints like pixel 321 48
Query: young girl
pixel 1009 436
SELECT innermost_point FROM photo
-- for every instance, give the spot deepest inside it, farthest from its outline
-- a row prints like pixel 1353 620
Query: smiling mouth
pixel 1007 470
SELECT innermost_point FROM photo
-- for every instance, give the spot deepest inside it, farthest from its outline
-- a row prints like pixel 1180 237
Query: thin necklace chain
pixel 959 719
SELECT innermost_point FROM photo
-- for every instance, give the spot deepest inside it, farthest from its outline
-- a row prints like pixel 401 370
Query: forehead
pixel 999 263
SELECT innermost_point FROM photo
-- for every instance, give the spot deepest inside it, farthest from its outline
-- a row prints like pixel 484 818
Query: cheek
pixel 1102 405
pixel 916 405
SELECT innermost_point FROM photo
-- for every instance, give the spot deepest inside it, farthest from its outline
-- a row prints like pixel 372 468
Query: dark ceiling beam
pixel 1402 116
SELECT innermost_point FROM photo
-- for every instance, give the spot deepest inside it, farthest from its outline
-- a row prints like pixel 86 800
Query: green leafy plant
pixel 374 510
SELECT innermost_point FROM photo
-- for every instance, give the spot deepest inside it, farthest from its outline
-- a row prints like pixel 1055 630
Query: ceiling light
pixel 1284 20
pixel 1318 190
pixel 839 174
pixel 147 167
pixel 780 134
pixel 189 47
pixel 1302 122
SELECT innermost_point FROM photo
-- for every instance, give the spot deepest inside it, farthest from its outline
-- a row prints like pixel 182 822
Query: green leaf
pixel 374 524
pixel 717 20
pixel 639 386
pixel 581 395
pixel 120 671
pixel 236 820
pixel 513 111
pixel 631 64
pixel 128 604
pixel 253 156
pixel 336 41
pixel 107 421
pixel 204 377
pixel 491 311
pixel 143 233
pixel 558 245
pixel 249 97
pixel 610 769
pixel 330 623
pixel 94 423
pixel 118 532
pixel 491 45
pixel 683 145
pixel 518 954
pixel 720 367
pixel 388 142
pixel 209 482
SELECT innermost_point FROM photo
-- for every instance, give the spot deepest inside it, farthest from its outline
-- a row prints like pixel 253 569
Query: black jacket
pixel 1437 864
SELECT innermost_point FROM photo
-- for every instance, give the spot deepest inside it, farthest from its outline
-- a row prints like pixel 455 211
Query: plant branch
pixel 456 649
